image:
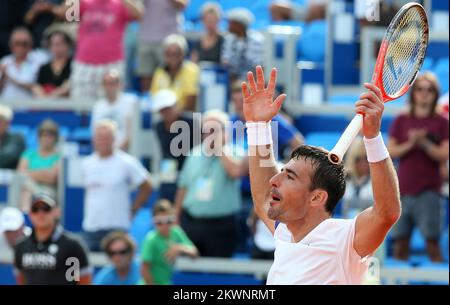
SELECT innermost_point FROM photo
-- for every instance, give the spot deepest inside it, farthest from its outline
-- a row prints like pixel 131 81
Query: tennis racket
pixel 399 60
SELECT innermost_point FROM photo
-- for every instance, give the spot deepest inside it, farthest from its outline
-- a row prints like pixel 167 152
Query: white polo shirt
pixel 323 257
pixel 108 185
pixel 26 73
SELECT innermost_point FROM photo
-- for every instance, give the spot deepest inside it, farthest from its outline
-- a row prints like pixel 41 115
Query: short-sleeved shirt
pixel 108 276
pixel 243 54
pixel 161 19
pixel 325 256
pixel 120 111
pixel 153 252
pixel 185 83
pixel 417 172
pixel 26 73
pixel 108 184
pixel 49 79
pixel 210 191
pixel 38 162
pixel 101 31
pixel 48 262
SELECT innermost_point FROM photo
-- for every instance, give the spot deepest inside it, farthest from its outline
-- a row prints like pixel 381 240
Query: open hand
pixel 259 105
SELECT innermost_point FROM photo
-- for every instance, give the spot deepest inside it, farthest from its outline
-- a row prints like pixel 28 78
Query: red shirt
pixel 417 172
pixel 101 31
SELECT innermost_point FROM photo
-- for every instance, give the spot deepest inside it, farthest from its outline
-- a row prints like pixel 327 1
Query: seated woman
pixel 53 78
pixel 208 48
pixel 40 166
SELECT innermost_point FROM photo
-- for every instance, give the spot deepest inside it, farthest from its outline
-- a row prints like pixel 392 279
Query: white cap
pixel 11 219
pixel 162 99
pixel 6 113
pixel 241 15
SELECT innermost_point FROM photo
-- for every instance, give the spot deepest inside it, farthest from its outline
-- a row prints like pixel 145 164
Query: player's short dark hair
pixel 327 176
pixel 163 206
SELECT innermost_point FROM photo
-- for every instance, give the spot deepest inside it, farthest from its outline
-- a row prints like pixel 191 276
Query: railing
pixel 260 268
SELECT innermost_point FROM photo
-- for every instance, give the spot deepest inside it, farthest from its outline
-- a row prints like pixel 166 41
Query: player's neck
pixel 300 228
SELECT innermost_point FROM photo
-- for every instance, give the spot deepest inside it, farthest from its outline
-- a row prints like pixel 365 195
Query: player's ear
pixel 318 198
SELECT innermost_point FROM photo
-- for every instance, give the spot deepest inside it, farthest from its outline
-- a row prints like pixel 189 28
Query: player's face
pixel 290 194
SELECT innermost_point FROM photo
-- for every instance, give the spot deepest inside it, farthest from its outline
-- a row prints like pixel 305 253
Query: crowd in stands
pixel 204 205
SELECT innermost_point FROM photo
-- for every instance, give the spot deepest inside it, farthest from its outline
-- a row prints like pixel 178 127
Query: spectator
pixel 419 139
pixel 177 74
pixel 100 43
pixel 243 49
pixel 308 11
pixel 358 193
pixel 41 166
pixel 161 19
pixel 165 102
pixel 18 71
pixel 11 17
pixel 208 197
pixel 263 242
pixel 53 78
pixel 40 15
pixel 210 45
pixel 11 145
pixel 109 174
pixel 12 226
pixel 46 256
pixel 116 106
pixel 123 270
pixel 163 245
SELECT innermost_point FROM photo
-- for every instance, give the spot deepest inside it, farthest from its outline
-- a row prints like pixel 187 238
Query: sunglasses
pixel 44 208
pixel 121 252
pixel 164 220
pixel 427 89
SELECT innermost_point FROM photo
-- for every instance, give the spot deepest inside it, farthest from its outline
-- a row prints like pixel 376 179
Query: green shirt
pixel 154 249
pixel 38 162
pixel 210 191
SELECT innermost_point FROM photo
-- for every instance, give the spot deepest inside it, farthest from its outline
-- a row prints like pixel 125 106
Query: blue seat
pixel 441 71
pixel 80 134
pixel 321 123
pixel 343 99
pixel 312 41
pixel 417 243
pixel 427 64
pixel 34 118
pixel 20 129
pixel 140 226
pixel 326 140
pixel 192 11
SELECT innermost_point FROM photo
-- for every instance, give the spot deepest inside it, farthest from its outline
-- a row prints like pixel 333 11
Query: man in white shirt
pixel 109 176
pixel 296 204
pixel 18 71
pixel 116 106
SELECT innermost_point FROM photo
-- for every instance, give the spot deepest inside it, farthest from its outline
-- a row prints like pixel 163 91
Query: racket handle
pixel 337 153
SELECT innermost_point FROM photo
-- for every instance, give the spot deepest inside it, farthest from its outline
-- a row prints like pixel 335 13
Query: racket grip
pixel 337 153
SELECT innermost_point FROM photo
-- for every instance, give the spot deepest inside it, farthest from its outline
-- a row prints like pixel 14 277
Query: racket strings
pixel 405 52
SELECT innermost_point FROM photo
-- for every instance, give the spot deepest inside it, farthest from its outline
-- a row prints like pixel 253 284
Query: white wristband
pixel 259 133
pixel 375 148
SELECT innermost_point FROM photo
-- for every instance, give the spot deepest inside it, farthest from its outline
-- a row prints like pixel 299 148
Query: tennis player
pixel 296 203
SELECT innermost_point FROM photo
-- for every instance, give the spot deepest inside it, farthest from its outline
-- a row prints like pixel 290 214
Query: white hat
pixel 241 15
pixel 6 113
pixel 11 219
pixel 162 99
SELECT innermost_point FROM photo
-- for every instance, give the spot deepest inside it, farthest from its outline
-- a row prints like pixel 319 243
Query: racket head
pixel 402 51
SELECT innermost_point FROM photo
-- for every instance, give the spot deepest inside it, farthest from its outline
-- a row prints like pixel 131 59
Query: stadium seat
pixel 140 226
pixel 417 243
pixel 321 123
pixel 427 64
pixel 312 41
pixel 441 71
pixel 326 140
pixel 20 129
pixel 191 278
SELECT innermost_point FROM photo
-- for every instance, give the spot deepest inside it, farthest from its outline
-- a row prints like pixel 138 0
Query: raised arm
pixel 373 224
pixel 260 108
